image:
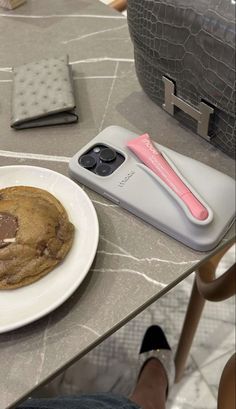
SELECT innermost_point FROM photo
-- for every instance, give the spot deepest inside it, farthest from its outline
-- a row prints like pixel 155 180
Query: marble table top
pixel 135 263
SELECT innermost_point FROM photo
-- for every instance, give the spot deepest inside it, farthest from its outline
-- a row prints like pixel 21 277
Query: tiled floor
pixel 113 365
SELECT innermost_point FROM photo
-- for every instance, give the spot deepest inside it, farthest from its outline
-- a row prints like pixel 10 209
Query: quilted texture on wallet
pixel 192 43
pixel 41 89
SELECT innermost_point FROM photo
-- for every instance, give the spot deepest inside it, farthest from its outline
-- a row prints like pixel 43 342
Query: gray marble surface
pixel 135 263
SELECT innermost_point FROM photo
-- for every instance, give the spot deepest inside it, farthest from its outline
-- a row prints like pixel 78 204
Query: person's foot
pixel 157 372
pixel 151 388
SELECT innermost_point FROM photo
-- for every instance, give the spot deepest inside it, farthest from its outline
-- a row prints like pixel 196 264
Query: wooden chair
pixel 226 393
pixel 119 5
pixel 207 287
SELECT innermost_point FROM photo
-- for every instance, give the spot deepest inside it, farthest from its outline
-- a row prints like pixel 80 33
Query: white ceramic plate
pixel 21 306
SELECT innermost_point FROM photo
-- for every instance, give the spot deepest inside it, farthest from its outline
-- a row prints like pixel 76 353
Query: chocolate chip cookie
pixel 35 235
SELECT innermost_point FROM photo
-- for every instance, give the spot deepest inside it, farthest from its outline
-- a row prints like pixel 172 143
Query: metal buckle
pixel 202 115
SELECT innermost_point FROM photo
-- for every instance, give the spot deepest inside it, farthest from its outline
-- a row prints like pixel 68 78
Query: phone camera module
pixel 107 155
pixel 87 161
pixel 101 159
pixel 103 170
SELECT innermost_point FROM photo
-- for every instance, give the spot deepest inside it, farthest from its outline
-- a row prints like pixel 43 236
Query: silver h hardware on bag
pixel 202 115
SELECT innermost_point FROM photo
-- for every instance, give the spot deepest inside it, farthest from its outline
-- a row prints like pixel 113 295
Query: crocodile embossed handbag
pixel 184 54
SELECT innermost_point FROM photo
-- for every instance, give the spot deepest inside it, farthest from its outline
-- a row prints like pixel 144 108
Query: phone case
pixel 137 189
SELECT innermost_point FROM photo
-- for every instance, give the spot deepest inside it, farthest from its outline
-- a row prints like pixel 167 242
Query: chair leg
pixel 226 394
pixel 192 317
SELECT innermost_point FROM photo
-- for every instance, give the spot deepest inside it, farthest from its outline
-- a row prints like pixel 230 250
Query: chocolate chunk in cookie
pixel 8 229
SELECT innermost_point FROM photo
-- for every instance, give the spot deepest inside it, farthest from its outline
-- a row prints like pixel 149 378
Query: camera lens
pixel 103 170
pixel 107 155
pixel 87 161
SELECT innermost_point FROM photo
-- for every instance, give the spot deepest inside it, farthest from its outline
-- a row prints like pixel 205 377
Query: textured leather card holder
pixel 43 94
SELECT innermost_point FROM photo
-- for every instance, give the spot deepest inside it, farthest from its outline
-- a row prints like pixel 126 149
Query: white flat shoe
pixel 155 345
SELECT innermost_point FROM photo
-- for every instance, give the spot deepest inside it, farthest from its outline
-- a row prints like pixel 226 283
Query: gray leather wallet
pixel 43 94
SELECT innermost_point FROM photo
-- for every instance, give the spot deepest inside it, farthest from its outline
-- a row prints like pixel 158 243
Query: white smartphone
pixel 107 166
